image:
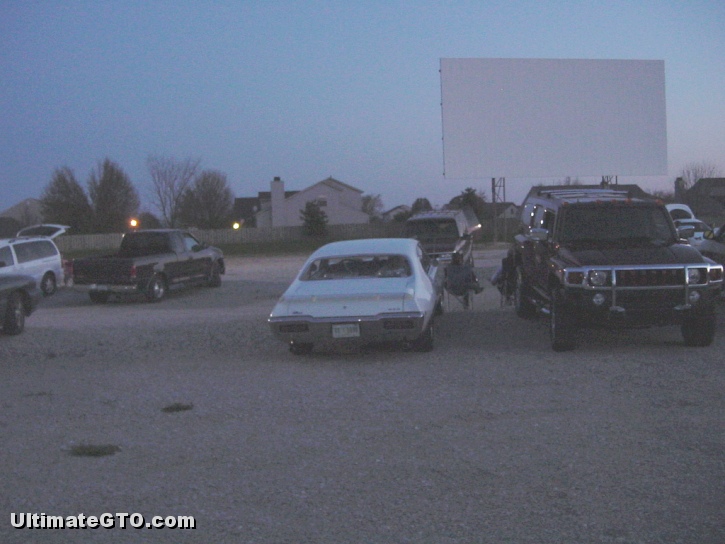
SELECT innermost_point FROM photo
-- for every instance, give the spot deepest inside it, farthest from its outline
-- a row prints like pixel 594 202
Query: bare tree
pixel 64 201
pixel 113 196
pixel 372 205
pixel 694 171
pixel 170 178
pixel 208 203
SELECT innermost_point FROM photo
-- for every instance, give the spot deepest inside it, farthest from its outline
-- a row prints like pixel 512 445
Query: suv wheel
pixel 524 307
pixel 48 284
pixel 562 327
pixel 698 331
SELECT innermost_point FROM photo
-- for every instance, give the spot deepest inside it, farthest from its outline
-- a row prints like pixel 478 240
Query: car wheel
pixel 156 289
pixel 48 284
pixel 522 304
pixel 98 297
pixel 698 331
pixel 215 277
pixel 301 348
pixel 14 319
pixel 425 341
pixel 562 327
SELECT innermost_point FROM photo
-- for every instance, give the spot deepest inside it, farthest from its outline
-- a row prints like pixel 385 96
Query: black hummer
pixel 607 257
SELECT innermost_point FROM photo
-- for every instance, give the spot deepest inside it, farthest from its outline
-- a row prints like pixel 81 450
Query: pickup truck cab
pixel 149 262
pixel 444 232
pixel 590 257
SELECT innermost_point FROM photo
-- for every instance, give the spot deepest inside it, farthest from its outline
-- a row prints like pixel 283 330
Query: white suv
pixel 33 253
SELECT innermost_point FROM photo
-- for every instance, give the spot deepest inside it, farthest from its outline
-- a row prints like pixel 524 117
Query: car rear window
pixel 357 266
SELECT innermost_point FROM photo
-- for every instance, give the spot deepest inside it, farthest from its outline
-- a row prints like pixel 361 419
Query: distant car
pixel 19 296
pixel 33 253
pixel 700 229
pixel 361 291
pixel 680 211
pixel 444 232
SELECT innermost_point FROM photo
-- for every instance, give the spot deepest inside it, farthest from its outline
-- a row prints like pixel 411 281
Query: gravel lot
pixel 492 437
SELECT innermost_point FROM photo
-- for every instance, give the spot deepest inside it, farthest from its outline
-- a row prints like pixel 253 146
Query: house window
pixel 321 201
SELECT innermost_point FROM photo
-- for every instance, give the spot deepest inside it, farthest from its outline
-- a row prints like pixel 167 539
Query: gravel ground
pixel 492 437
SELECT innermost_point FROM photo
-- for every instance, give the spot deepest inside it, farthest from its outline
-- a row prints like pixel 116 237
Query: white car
pixel 33 253
pixel 361 291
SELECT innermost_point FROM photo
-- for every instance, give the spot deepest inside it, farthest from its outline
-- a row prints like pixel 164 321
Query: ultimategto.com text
pixel 120 520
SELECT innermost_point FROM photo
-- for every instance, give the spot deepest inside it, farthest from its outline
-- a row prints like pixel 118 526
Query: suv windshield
pixel 617 223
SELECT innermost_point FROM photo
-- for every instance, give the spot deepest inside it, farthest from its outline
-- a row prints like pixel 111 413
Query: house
pixel 25 213
pixel 707 199
pixel 389 215
pixel 506 210
pixel 341 203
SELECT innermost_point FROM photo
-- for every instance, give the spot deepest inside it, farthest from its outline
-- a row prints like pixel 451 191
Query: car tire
pixel 14 318
pixel 48 285
pixel 215 276
pixel 523 306
pixel 156 290
pixel 301 348
pixel 698 331
pixel 425 342
pixel 562 326
pixel 98 297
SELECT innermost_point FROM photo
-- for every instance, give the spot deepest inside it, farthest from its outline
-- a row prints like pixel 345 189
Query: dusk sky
pixel 310 89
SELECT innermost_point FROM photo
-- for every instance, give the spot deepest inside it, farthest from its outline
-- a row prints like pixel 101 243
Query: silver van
pixel 33 253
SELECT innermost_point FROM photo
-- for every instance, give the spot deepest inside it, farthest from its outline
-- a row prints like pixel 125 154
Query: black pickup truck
pixel 149 262
pixel 588 257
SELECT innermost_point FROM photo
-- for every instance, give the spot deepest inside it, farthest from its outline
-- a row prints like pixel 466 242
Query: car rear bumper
pixel 403 326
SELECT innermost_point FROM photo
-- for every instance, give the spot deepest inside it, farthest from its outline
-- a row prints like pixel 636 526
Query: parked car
pixel 695 235
pixel 149 262
pixel 362 291
pixel 34 253
pixel 444 232
pixel 19 296
pixel 603 258
pixel 680 211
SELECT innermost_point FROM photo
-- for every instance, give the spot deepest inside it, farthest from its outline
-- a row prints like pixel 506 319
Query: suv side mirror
pixel 539 234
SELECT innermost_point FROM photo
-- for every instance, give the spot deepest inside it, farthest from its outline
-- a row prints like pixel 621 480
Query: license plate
pixel 348 330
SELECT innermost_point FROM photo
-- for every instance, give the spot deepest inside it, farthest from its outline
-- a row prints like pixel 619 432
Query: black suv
pixel 603 257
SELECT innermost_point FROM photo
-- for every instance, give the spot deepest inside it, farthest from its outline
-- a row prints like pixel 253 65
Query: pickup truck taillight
pixel 133 271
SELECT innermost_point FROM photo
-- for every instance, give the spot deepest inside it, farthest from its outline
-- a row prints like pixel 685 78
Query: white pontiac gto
pixel 362 291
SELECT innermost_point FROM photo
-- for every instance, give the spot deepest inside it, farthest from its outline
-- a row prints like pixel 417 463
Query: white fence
pixel 111 242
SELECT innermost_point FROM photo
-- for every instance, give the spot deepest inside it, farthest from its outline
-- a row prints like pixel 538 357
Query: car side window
pixel 24 252
pixel 6 256
pixel 424 258
pixel 190 242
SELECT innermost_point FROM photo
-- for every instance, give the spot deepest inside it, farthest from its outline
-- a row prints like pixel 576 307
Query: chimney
pixel 277 201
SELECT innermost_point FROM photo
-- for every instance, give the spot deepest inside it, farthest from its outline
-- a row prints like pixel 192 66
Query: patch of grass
pixel 177 407
pixel 94 450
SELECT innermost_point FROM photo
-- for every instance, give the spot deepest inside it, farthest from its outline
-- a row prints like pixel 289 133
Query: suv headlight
pixel 693 275
pixel 598 278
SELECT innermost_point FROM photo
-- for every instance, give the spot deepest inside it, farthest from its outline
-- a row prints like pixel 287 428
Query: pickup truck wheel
pixel 215 276
pixel 156 289
pixel 48 284
pixel 14 319
pixel 301 348
pixel 98 297
pixel 698 331
pixel 562 327
pixel 524 307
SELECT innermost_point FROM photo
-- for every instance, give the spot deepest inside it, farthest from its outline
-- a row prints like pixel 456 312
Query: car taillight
pixel 133 271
